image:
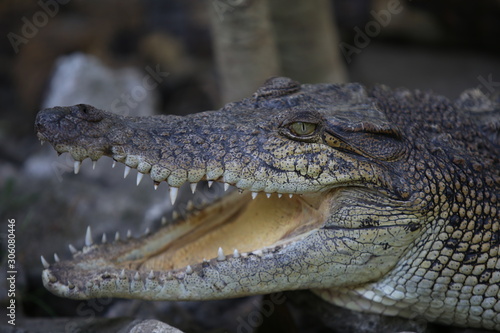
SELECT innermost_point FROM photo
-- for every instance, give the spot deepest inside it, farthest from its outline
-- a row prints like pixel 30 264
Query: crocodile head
pixel 337 186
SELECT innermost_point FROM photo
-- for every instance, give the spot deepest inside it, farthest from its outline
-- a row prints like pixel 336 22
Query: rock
pixel 148 326
pixel 80 78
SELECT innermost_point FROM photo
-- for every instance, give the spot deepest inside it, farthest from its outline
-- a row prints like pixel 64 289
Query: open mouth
pixel 240 225
pixel 235 225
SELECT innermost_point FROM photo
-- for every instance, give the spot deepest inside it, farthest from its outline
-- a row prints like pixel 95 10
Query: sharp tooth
pixel 94 163
pixel 114 164
pixel 88 237
pixel 122 274
pixel 129 233
pixel 193 187
pixel 258 253
pixel 42 142
pixel 156 185
pixel 173 194
pixel 254 195
pixel 163 220
pixel 280 195
pixel 147 231
pixel 44 262
pixel 236 253
pixel 151 275
pixel 268 195
pixel 210 183
pixel 126 172
pixel 56 257
pixel 226 186
pixel 72 249
pixel 290 195
pixel 139 178
pixel 104 239
pixel 137 277
pixel 76 166
pixel 189 270
pixel 220 255
pixel 117 236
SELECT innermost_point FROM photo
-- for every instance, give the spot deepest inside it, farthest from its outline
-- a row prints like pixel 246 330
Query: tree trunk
pixel 307 40
pixel 244 46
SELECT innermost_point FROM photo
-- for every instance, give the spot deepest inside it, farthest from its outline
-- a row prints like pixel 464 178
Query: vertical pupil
pixel 303 128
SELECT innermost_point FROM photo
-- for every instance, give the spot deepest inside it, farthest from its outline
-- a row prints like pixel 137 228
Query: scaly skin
pixel 384 201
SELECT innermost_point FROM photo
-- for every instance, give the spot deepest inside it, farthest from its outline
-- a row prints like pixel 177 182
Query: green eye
pixel 302 128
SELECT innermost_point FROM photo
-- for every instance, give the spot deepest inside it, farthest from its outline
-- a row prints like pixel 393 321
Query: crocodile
pixel 378 200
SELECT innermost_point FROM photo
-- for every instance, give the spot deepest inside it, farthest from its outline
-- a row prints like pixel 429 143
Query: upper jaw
pixel 159 146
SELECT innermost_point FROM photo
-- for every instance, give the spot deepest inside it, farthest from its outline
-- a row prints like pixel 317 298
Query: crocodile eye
pixel 302 128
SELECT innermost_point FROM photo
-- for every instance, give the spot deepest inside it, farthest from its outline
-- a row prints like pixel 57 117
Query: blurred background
pixel 150 57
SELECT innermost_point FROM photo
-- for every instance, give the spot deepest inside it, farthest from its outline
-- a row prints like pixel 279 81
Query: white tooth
pixel 290 195
pixel 126 171
pixel 280 195
pixel 254 195
pixel 189 270
pixel 146 232
pixel 139 178
pixel 163 220
pixel 88 237
pixel 104 239
pixel 76 166
pixel 173 194
pixel 129 233
pixel 226 186
pixel 114 164
pixel 258 253
pixel 193 187
pixel 56 257
pixel 117 236
pixel 137 277
pixel 268 195
pixel 44 262
pixel 151 275
pixel 210 183
pixel 72 249
pixel 236 253
pixel 42 142
pixel 156 186
pixel 220 255
pixel 122 274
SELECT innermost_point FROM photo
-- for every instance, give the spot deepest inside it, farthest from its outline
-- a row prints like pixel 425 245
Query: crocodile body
pixel 379 200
